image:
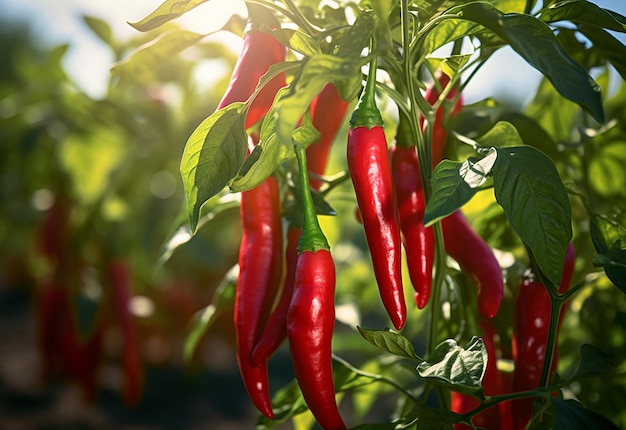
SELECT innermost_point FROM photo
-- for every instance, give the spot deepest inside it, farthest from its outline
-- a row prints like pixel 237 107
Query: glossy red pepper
pixel 275 331
pixel 418 241
pixel 370 171
pixel 120 278
pixel 327 113
pixel 439 133
pixel 530 336
pixel 476 259
pixel 260 51
pixel 260 272
pixel 311 314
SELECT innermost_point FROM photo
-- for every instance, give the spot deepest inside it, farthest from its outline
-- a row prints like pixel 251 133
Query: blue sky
pixel 59 21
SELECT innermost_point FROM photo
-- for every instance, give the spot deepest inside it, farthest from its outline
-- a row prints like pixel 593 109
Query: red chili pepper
pixel 418 241
pixel 120 279
pixel 530 336
pixel 260 51
pixel 439 133
pixel 370 171
pixel 311 315
pixel 476 259
pixel 276 330
pixel 51 305
pixel 260 272
pixel 327 113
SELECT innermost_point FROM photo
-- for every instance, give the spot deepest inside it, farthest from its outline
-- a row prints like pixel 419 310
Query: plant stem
pixel 556 303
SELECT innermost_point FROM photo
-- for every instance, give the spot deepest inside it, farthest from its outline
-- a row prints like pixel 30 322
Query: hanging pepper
pixel 120 279
pixel 439 133
pixel 275 331
pixel 311 314
pixel 476 259
pixel 327 112
pixel 530 335
pixel 370 171
pixel 418 241
pixel 260 272
pixel 260 51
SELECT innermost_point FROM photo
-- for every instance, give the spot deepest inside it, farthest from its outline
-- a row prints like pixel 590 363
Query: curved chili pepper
pixel 327 113
pixel 120 278
pixel 260 272
pixel 439 133
pixel 530 336
pixel 276 330
pixel 418 241
pixel 370 171
pixel 477 259
pixel 311 314
pixel 259 52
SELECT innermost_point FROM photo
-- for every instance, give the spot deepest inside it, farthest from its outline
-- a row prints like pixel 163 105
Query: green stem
pixel 312 238
pixel 435 307
pixel 300 18
pixel 556 303
pixel 366 113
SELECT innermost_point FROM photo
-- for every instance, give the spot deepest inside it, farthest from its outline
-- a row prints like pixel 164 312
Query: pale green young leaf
pixel 167 11
pixel 212 156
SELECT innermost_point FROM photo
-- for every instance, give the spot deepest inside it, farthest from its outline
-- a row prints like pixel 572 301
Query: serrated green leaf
pixel 534 41
pixel 222 301
pixel 529 189
pixel 315 74
pixel 298 41
pixel 212 156
pixel 142 63
pixel 391 342
pixel 584 12
pixel 460 368
pixel 167 11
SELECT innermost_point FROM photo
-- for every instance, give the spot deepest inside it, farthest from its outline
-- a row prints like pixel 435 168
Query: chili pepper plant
pixel 487 230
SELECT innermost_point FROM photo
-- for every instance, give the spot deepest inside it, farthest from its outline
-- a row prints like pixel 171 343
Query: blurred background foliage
pixel 111 165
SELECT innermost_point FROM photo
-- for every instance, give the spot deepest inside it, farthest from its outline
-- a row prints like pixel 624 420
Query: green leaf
pixel 357 37
pixel 141 65
pixel 571 415
pixel 454 183
pixel 534 41
pixel 608 47
pixel 212 157
pixel 584 12
pixel 100 28
pixel 460 368
pixel 316 72
pixel 554 113
pixel 432 418
pixel 298 41
pixel 529 189
pixel 501 135
pixel 167 11
pixel 593 361
pixel 447 31
pixel 391 342
pixel 223 300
